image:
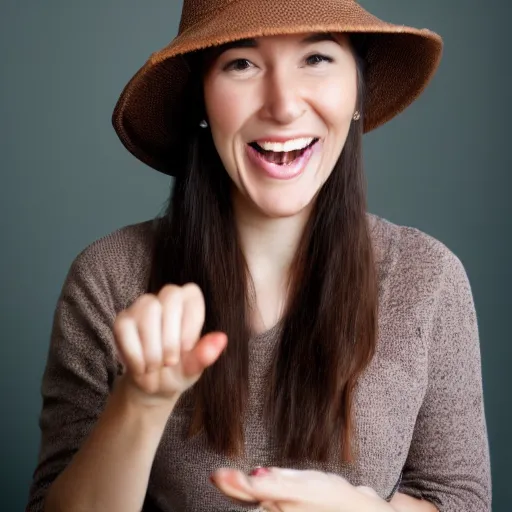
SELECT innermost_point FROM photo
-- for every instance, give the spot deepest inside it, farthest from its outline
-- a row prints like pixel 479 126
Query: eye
pixel 317 58
pixel 238 65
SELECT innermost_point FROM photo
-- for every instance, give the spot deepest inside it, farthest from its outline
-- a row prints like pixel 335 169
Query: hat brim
pixel 400 60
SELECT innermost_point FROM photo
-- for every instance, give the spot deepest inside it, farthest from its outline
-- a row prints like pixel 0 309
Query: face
pixel 279 109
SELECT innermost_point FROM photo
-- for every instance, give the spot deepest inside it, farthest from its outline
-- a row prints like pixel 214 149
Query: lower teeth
pixel 285 160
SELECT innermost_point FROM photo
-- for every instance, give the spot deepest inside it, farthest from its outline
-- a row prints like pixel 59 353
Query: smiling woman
pixel 266 318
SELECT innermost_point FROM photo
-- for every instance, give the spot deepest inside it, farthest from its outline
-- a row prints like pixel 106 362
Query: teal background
pixel 443 166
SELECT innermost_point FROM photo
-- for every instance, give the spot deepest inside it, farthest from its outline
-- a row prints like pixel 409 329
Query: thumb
pixel 206 351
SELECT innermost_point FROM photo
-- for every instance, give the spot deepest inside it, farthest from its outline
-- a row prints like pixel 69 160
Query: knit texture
pixel 419 407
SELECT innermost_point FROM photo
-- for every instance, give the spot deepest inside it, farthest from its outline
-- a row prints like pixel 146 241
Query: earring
pixel 203 124
pixel 356 116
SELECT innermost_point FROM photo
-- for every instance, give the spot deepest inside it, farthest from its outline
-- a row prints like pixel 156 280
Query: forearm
pixel 111 471
pixel 404 503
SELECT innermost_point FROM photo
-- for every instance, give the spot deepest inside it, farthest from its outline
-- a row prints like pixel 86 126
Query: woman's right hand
pixel 158 339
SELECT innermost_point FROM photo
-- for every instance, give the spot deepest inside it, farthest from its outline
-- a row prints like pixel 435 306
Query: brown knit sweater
pixel 419 406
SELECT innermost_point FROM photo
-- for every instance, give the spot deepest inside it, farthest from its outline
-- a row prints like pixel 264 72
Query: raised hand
pixel 158 339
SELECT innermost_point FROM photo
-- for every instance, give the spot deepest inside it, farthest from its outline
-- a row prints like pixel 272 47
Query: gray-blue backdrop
pixel 442 166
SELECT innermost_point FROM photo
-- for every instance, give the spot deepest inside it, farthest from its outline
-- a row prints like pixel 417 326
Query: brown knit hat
pixel 400 61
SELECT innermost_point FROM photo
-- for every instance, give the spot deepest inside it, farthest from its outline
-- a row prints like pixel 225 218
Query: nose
pixel 282 100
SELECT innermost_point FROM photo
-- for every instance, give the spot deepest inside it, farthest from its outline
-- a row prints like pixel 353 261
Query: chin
pixel 282 208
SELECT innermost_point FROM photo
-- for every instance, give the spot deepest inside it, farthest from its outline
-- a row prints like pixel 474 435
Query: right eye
pixel 237 65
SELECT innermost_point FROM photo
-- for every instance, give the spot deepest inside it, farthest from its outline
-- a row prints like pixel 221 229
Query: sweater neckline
pixel 269 333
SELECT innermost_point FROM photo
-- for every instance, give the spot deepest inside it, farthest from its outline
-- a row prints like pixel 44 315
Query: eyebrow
pixel 253 43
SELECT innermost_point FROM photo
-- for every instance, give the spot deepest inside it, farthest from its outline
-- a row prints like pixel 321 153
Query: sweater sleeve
pixel 80 370
pixel 448 462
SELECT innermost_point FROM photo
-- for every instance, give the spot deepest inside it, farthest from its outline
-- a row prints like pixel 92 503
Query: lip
pixel 282 172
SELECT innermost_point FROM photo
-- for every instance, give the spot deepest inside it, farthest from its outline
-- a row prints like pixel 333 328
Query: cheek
pixel 337 102
pixel 224 108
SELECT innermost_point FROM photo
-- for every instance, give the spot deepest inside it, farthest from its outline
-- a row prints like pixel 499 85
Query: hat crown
pixel 195 11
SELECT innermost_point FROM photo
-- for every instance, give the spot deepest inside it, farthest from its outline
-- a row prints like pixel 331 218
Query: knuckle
pixel 122 320
pixel 153 308
pixel 149 309
pixel 194 295
pixel 169 292
pixel 143 304
pixel 149 301
pixel 193 288
pixel 142 300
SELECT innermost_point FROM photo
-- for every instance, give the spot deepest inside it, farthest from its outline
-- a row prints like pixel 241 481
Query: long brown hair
pixel 329 328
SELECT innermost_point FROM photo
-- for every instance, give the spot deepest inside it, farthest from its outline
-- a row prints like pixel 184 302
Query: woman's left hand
pixel 290 490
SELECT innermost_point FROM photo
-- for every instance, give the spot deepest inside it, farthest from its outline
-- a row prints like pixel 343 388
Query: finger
pixel 171 298
pixel 233 483
pixel 128 344
pixel 205 353
pixel 193 316
pixel 263 488
pixel 148 313
pixel 292 486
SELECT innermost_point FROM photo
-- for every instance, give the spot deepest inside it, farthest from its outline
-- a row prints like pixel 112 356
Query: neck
pixel 269 244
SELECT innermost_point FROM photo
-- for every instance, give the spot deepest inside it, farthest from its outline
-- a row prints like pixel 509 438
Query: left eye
pixel 317 59
pixel 238 65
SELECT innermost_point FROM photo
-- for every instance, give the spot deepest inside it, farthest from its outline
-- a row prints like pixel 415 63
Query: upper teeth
pixel 289 145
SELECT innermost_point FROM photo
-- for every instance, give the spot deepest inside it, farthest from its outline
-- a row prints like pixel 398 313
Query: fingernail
pixel 259 471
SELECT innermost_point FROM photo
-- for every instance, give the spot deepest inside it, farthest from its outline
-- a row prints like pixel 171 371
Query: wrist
pixel 131 398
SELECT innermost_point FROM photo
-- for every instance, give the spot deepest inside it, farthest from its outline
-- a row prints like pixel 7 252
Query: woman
pixel 266 343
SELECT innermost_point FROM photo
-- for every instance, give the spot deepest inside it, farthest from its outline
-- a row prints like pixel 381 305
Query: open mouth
pixel 282 157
